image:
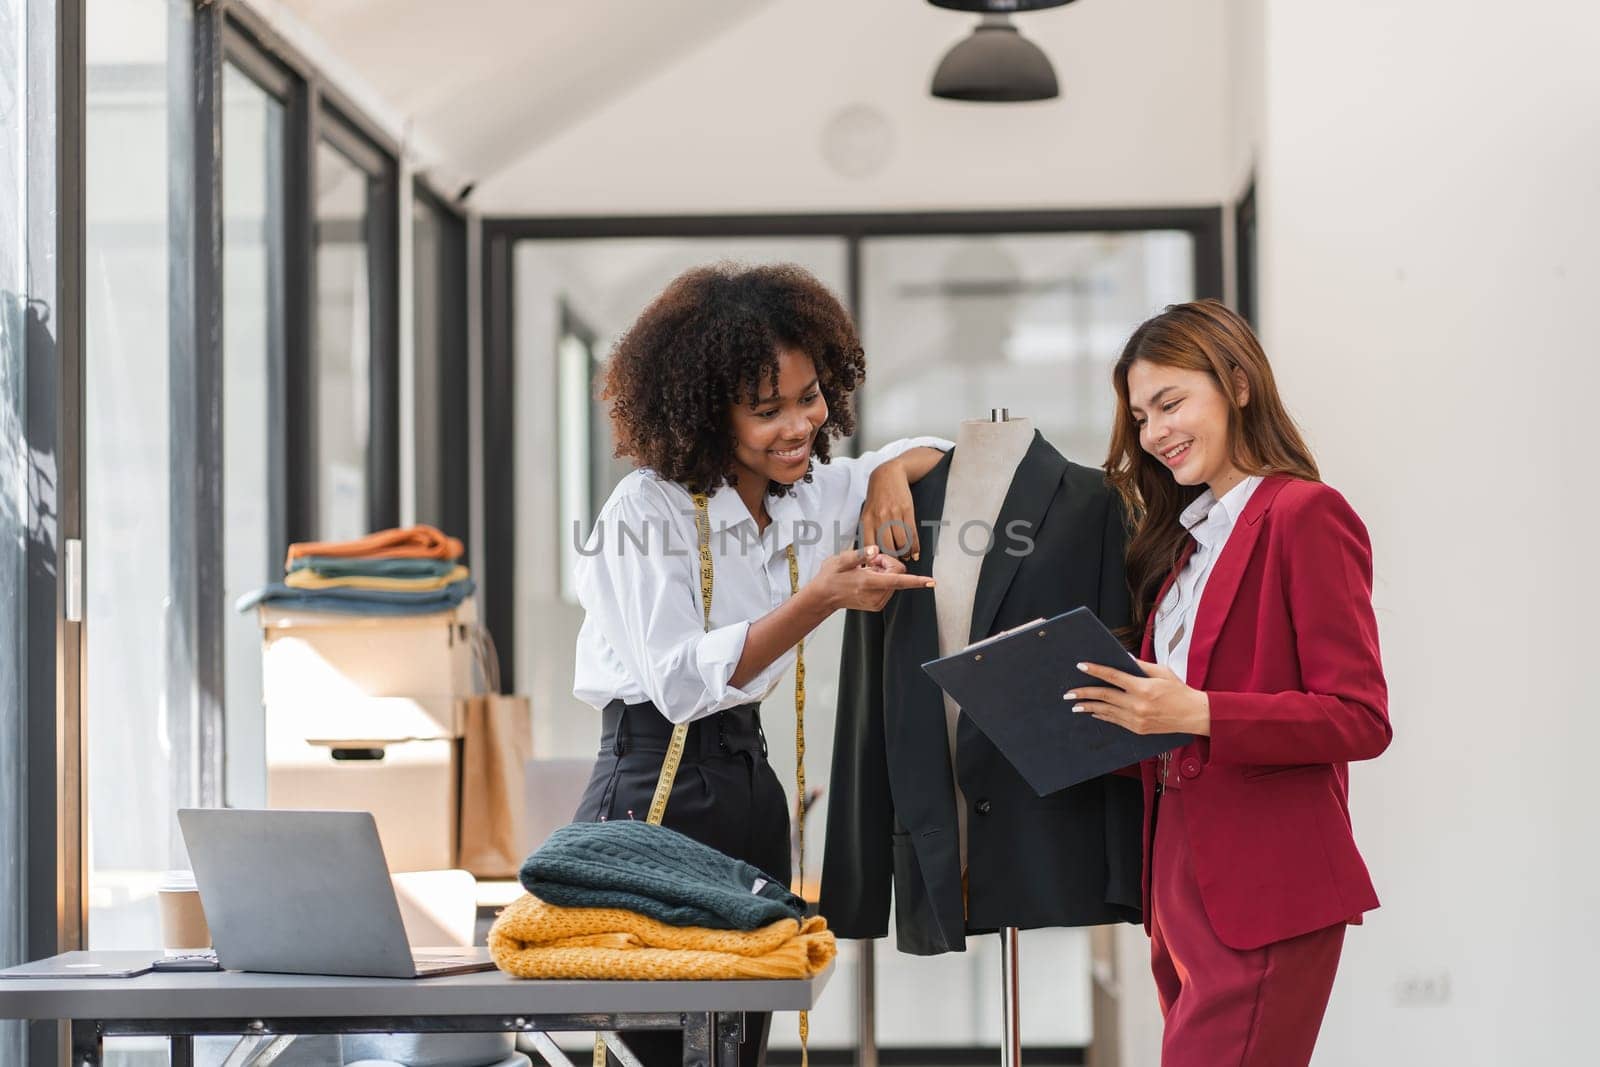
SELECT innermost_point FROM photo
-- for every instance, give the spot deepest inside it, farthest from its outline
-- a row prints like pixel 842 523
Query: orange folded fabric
pixel 412 542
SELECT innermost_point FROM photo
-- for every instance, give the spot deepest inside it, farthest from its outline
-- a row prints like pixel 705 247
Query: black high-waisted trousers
pixel 725 795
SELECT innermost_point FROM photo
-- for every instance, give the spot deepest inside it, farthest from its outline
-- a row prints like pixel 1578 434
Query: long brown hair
pixel 1202 335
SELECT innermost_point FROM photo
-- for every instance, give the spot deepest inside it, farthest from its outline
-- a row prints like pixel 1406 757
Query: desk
pixel 181 1005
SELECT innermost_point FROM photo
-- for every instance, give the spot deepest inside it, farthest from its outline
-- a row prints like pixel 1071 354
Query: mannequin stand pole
pixel 867 1005
pixel 1010 996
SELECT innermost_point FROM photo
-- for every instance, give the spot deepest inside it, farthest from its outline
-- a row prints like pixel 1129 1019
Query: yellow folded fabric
pixel 309 580
pixel 532 939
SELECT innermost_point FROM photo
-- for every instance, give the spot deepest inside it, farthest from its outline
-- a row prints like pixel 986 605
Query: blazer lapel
pixel 915 738
pixel 1033 488
pixel 1223 585
pixel 928 495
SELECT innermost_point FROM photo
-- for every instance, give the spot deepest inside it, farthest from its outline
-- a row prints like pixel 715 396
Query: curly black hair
pixel 711 340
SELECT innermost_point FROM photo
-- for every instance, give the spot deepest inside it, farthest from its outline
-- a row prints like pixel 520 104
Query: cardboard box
pixel 353 719
pixel 412 791
pixel 325 659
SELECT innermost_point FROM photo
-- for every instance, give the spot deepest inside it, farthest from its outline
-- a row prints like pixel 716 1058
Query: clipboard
pixel 1011 686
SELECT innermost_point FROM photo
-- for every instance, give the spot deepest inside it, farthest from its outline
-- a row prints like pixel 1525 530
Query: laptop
pixel 306 892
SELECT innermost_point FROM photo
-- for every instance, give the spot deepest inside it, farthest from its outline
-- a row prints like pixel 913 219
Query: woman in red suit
pixel 1252 586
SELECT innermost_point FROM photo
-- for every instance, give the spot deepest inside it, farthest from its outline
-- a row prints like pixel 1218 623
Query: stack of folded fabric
pixel 411 571
pixel 630 900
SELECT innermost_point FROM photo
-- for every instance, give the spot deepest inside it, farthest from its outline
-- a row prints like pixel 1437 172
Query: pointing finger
pixel 877 580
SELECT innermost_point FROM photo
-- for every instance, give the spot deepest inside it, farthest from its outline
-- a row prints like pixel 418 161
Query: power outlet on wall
pixel 1431 988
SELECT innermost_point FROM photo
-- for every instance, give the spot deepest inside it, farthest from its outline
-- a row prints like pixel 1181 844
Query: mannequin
pixel 987 454
pixel 924 809
pixel 985 461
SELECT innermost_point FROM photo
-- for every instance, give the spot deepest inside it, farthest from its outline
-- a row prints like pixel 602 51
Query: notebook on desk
pixel 306 892
pixel 1011 685
pixel 80 964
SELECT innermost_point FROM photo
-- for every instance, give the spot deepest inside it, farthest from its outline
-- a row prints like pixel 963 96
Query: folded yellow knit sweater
pixel 532 939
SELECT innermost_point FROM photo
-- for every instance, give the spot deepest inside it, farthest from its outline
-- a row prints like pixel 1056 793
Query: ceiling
pixel 485 81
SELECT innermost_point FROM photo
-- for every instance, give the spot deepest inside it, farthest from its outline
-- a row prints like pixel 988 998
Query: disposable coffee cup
pixel 183 920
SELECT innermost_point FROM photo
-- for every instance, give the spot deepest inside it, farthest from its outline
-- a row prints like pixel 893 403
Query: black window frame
pixel 451 511
pixel 1246 285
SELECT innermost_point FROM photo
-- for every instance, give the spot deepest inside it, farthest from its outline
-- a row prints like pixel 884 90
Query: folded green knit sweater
pixel 656 872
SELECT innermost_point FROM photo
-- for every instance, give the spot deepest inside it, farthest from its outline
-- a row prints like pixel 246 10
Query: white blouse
pixel 1209 521
pixel 639 581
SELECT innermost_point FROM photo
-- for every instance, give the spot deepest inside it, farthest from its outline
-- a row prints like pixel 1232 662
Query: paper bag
pixel 497 741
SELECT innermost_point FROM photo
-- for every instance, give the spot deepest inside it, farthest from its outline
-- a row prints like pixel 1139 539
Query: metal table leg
pixel 547 1048
pixel 619 1048
pixel 698 1028
pixel 88 1043
pixel 181 1050
pixel 730 1034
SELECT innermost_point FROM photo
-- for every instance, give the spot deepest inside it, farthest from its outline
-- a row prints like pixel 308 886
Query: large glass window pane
pixel 344 345
pixel 134 738
pixel 253 337
pixel 955 326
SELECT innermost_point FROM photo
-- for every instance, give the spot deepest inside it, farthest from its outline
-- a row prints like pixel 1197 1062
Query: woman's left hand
pixel 1159 704
pixel 888 519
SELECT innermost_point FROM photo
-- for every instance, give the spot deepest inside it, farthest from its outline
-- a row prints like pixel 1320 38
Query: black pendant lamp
pixel 998 7
pixel 996 64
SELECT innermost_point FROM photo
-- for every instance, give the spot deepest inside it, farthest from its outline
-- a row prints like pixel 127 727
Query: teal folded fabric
pixel 334 567
pixel 358 601
pixel 655 872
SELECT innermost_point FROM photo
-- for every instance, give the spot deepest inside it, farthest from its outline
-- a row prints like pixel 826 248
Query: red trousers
pixel 1223 1006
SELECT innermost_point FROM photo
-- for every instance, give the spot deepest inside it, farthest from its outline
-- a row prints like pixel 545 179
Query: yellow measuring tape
pixel 680 734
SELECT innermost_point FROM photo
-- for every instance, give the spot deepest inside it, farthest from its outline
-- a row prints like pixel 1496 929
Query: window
pixel 254 123
pixel 955 326
pixel 140 760
pixel 439 304
pixel 344 346
pixel 356 397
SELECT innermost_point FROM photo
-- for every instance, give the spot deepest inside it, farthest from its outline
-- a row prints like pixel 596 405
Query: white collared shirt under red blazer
pixel 1285 645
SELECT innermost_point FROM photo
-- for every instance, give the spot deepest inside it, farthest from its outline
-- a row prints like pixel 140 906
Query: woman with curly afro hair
pixel 728 393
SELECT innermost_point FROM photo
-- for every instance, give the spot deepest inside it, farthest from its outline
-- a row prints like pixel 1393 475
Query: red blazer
pixel 1285 645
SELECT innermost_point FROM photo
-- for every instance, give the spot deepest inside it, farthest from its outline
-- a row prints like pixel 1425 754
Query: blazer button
pixel 983 807
pixel 1190 768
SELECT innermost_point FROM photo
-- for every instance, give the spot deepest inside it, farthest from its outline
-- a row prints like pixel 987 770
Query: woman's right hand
pixel 864 579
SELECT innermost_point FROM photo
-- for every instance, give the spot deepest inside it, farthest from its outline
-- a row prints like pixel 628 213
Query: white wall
pixel 1430 215
pixel 1246 93
pixel 739 125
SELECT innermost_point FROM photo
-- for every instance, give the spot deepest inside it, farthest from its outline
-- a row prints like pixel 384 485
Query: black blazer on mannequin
pixel 1068 859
